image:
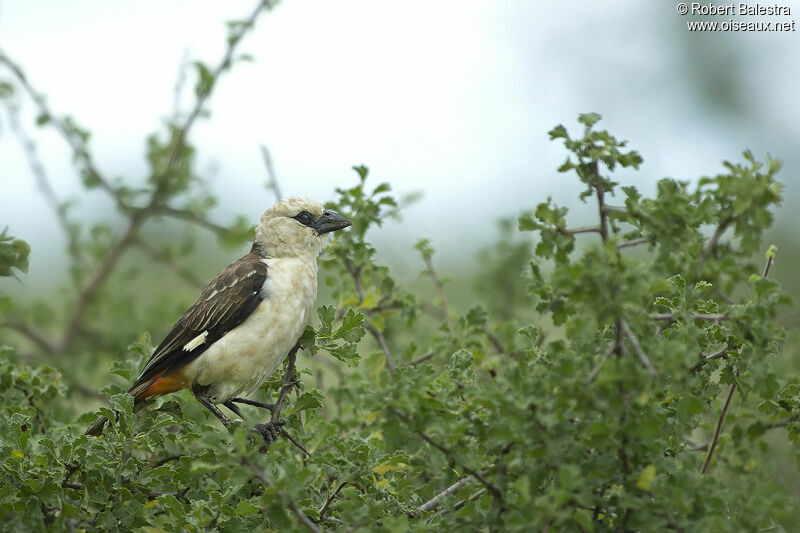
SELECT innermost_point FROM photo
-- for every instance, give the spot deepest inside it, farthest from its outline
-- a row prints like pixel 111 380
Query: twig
pixel 575 231
pixel 295 442
pixel 187 216
pixel 185 273
pixel 301 516
pixel 593 374
pixel 272 177
pixel 713 242
pixel 421 358
pixel 329 500
pixel 179 83
pixel 704 359
pixel 433 503
pixel 355 273
pixel 378 334
pixel 437 284
pixel 713 445
pixel 32 335
pixel 38 170
pixel 693 316
pixel 633 242
pixel 638 348
pixel 494 491
pixel 67 130
pixel 496 342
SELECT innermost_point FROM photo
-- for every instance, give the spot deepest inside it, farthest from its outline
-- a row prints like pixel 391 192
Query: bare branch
pixel 437 283
pixel 593 374
pixel 693 316
pixel 633 242
pixel 37 169
pixel 329 500
pixel 638 348
pixel 494 491
pixel 421 358
pixel 713 445
pixel 186 216
pixel 433 503
pixel 157 255
pixel 301 516
pixel 31 334
pixel 378 335
pixel 355 273
pixel 711 246
pixel 723 353
pixel 575 231
pixel 67 130
pixel 272 184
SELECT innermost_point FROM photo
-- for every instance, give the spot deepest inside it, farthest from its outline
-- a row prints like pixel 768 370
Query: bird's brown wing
pixel 224 304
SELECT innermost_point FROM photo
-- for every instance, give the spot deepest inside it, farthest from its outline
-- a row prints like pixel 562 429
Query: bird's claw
pixel 269 431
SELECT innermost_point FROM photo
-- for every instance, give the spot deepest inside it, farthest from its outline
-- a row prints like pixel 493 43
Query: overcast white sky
pixel 451 98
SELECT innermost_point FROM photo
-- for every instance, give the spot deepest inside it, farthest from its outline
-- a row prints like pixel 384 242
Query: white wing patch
pixel 197 341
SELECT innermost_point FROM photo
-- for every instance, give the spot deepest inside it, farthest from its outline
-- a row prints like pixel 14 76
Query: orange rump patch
pixel 172 383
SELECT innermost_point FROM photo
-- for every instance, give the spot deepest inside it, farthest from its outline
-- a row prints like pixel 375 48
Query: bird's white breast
pixel 240 362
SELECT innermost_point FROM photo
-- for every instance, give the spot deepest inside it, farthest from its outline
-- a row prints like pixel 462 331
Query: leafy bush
pixel 639 397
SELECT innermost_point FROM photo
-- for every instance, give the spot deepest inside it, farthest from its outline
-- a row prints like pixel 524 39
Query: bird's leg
pixel 255 403
pixel 270 431
pixel 232 406
pixel 199 393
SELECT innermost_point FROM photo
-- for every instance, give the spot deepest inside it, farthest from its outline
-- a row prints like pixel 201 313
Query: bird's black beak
pixel 330 221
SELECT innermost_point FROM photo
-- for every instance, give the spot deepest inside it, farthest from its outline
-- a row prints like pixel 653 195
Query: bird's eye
pixel 304 217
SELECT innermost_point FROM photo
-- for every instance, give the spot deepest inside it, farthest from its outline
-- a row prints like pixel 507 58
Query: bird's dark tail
pixel 96 427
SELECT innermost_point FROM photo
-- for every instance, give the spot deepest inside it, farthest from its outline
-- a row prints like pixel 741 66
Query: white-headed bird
pixel 248 319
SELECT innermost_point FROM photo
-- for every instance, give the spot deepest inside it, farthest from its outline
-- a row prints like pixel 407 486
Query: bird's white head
pixel 296 227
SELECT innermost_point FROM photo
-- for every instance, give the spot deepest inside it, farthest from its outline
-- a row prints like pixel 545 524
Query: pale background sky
pixel 450 98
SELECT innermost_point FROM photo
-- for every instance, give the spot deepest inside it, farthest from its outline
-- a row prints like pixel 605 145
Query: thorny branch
pixel 301 516
pixel 355 273
pixel 437 284
pixel 272 177
pixel 77 141
pixel 718 430
pixel 493 490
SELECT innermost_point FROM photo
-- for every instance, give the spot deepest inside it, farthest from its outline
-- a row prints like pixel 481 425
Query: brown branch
pixel 157 255
pixel 378 335
pixel 712 244
pixel 601 204
pixel 186 216
pixel 723 353
pixel 272 184
pixel 78 145
pixel 301 516
pixel 421 359
pixel 437 284
pixel 593 374
pixel 496 342
pixel 633 242
pixel 38 170
pixel 494 491
pixel 31 334
pixel 433 503
pixel 288 382
pixel 89 291
pixel 638 348
pixel 329 500
pixel 693 316
pixel 575 231
pixel 713 445
pixel 355 273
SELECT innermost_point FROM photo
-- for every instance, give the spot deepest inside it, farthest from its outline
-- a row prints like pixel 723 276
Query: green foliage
pixel 602 424
pixel 582 392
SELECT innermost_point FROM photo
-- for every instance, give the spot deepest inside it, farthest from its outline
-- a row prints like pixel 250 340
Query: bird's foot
pixel 269 432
